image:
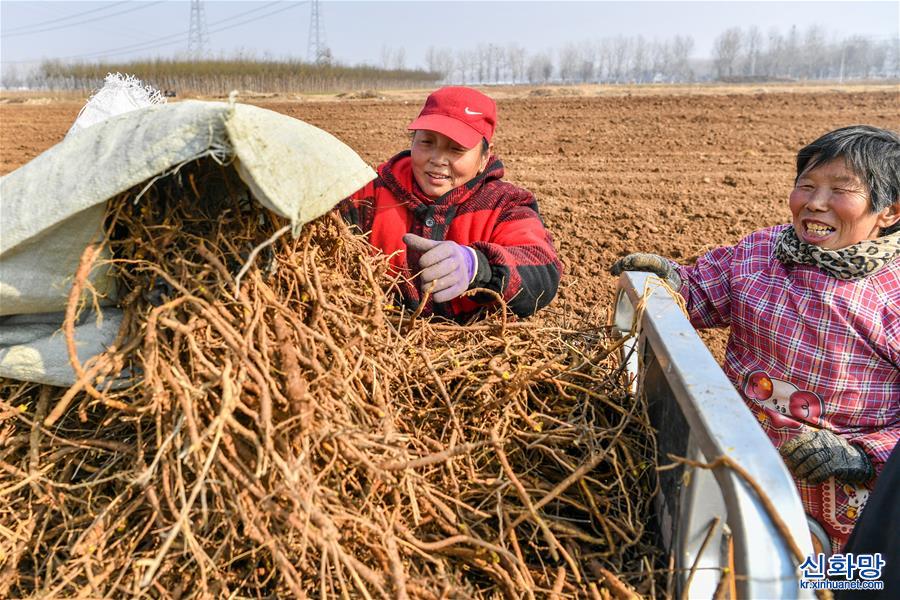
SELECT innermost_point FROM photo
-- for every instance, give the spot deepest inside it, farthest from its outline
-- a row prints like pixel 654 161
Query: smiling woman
pixel 814 311
pixel 842 195
pixel 439 164
pixel 831 208
pixel 845 203
pixel 458 236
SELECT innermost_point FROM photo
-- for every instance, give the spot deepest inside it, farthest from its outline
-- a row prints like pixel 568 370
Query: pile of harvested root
pixel 303 436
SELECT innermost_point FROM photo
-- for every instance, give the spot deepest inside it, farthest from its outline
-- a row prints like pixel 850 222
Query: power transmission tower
pixel 316 52
pixel 198 38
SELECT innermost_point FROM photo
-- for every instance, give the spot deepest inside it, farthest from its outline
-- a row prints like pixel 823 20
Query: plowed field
pixel 673 172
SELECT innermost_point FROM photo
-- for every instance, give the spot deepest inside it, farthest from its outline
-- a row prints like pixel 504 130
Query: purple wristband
pixel 470 262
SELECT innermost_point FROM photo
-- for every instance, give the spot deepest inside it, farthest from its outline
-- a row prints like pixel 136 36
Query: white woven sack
pixel 119 94
pixel 54 206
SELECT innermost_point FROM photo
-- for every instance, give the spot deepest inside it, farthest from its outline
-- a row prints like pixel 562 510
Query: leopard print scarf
pixel 853 262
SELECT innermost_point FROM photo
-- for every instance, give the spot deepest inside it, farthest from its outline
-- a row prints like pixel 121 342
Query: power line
pixel 177 38
pixel 75 16
pixel 140 6
pixel 239 24
pixel 274 12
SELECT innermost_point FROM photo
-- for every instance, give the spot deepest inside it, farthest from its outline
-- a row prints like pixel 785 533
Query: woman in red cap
pixel 449 223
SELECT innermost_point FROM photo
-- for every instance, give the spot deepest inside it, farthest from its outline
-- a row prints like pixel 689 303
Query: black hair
pixel 870 152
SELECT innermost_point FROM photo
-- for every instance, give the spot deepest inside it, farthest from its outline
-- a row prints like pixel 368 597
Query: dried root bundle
pixel 305 437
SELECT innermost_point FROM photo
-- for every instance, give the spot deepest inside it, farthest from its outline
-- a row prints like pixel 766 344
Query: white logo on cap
pixel 472 112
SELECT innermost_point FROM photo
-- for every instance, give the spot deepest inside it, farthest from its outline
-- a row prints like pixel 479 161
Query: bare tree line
pixel 614 60
pixel 219 77
pixel 737 54
pixel 808 55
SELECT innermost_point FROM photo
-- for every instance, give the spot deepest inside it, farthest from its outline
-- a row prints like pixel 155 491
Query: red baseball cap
pixel 462 114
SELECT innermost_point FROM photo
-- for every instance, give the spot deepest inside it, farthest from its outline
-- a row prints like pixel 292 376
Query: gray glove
pixel 652 263
pixel 819 454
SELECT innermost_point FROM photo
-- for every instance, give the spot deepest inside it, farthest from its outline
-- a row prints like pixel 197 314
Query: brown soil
pixel 674 171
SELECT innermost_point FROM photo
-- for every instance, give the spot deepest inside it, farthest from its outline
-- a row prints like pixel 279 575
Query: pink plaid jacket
pixel 807 350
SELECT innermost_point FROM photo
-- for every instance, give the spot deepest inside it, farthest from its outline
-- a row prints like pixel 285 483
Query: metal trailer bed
pixel 700 416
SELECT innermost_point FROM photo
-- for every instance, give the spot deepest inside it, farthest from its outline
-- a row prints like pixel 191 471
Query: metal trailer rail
pixel 699 415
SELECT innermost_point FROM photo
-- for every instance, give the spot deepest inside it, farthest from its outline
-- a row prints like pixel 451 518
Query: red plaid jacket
pixel 807 350
pixel 515 253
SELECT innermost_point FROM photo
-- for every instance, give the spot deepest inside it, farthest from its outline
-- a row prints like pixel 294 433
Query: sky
pixel 360 32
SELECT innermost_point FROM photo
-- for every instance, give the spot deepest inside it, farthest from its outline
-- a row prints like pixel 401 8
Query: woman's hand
pixel 448 265
pixel 816 455
pixel 652 263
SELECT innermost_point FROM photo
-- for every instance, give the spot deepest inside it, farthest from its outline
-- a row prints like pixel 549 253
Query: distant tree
pixel 769 64
pixel 878 58
pixel 497 63
pixel 790 52
pixel 603 52
pixel 393 58
pixel 813 59
pixel 725 52
pixel 587 63
pixel 515 56
pixel 441 61
pixel 661 60
pixel 484 63
pixel 481 65
pixel 856 57
pixel 466 62
pixel 431 59
pixel 892 58
pixel 540 68
pixel 753 40
pixel 568 63
pixel 400 59
pixel 576 62
pixel 619 58
pixel 10 78
pixel 639 59
pixel 547 72
pixel 682 46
